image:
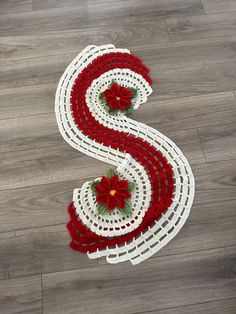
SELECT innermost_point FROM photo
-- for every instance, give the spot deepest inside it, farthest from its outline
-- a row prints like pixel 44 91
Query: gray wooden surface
pixel 190 47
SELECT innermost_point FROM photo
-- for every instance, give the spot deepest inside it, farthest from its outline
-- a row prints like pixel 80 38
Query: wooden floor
pixel 190 46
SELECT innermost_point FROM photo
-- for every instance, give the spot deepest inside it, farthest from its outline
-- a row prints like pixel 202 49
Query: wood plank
pixel 15 6
pixel 27 101
pixel 21 295
pixel 201 26
pixel 44 163
pixel 215 181
pixel 209 226
pixel 165 115
pixel 187 113
pixel 168 82
pixel 52 4
pixel 38 131
pixel 39 250
pixel 227 306
pixel 36 206
pixel 162 7
pixel 46 44
pixel 158 283
pixel 33 71
pixel 47 165
pixel 187 141
pixel 219 142
pixel 194 71
pixel 218 6
pixel 18 134
pixel 193 80
pixel 91 21
pixel 186 53
pixel 174 54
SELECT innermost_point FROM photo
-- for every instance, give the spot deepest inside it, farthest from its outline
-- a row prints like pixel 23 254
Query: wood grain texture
pixel 15 6
pixel 215 181
pixel 218 6
pixel 46 165
pixel 135 7
pixel 188 53
pixel 124 27
pixel 21 295
pixel 36 206
pixel 201 26
pixel 170 54
pixel 194 80
pixel 27 101
pixel 213 138
pixel 189 112
pixel 215 307
pixel 190 47
pixel 170 82
pixel 18 134
pixel 39 250
pixel 211 225
pixel 156 284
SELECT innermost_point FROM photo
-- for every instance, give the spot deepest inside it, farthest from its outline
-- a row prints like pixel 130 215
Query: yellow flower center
pixel 112 192
pixel 117 98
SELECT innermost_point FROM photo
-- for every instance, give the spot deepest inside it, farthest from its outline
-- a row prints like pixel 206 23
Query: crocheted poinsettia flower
pixel 118 97
pixel 112 192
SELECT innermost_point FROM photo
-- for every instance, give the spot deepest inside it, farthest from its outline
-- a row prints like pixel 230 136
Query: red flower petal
pixel 100 188
pixel 128 93
pixel 126 101
pixel 122 185
pixel 102 199
pixel 113 182
pixel 124 194
pixel 111 203
pixel 119 201
pixel 115 88
pixel 118 97
pixel 106 183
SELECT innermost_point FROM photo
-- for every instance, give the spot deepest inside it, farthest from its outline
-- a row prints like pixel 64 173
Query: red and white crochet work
pixel 164 184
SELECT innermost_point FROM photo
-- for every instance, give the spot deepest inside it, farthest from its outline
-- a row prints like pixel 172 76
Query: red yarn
pixel 158 169
pixel 119 189
pixel 118 97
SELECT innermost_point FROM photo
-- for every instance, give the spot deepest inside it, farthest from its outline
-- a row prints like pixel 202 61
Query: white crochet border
pixel 164 229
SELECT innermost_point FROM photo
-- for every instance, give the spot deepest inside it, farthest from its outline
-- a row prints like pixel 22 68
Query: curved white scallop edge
pixel 163 230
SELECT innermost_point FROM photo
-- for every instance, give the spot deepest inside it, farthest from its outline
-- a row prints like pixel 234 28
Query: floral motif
pixel 111 192
pixel 118 98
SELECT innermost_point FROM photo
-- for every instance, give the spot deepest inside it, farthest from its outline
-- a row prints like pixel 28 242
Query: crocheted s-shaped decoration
pixel 142 203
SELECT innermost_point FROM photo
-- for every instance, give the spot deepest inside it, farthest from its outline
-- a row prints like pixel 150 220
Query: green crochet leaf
pixel 93 187
pixel 131 186
pixel 135 92
pixel 111 173
pixel 127 210
pixel 101 209
pixel 130 109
